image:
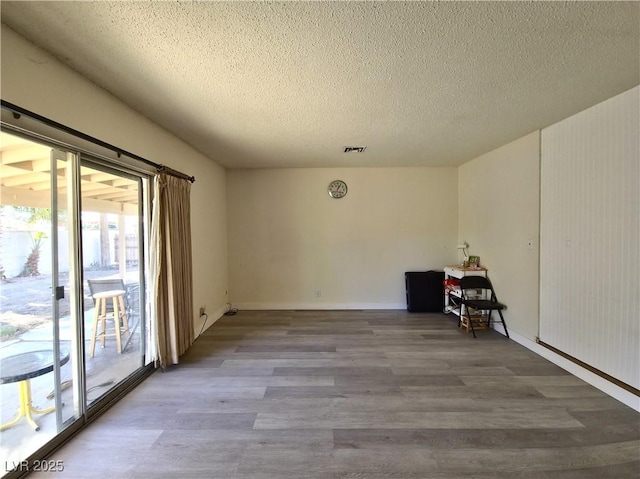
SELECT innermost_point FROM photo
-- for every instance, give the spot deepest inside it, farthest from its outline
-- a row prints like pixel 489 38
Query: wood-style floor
pixel 357 395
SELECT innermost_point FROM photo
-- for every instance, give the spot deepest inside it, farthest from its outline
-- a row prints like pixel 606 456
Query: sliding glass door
pixel 113 270
pixel 72 283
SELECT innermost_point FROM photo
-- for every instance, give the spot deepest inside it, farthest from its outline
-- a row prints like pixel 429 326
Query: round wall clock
pixel 337 189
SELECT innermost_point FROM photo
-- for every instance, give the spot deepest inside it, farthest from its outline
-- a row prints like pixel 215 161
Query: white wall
pixel 36 81
pixel 17 245
pixel 498 214
pixel 590 236
pixel 288 240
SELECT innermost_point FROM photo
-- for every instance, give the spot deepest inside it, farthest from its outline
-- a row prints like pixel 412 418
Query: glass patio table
pixel 21 368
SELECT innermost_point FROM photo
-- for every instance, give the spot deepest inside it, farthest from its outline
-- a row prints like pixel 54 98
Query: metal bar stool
pixel 100 316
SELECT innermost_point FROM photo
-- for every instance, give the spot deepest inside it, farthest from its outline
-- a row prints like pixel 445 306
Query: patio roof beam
pixel 103 206
pixel 42 199
pixel 22 197
pixel 26 179
pixel 20 154
pixel 122 196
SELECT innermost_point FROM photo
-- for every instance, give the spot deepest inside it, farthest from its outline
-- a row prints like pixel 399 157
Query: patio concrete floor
pixel 103 371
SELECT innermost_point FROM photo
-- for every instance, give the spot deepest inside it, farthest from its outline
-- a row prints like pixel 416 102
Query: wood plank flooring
pixel 357 395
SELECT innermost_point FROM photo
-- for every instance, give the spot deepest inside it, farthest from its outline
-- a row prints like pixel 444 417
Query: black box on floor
pixel 425 291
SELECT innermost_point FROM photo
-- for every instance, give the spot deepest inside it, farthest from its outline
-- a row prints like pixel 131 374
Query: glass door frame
pixel 71 160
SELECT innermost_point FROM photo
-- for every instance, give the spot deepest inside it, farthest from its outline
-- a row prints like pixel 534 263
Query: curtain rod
pixel 18 111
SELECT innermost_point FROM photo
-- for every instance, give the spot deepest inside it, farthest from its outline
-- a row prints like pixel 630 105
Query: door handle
pixel 59 292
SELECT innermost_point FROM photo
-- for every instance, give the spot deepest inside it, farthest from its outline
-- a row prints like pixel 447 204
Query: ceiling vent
pixel 354 149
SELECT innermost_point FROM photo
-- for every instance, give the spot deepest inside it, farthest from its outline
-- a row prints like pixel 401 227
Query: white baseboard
pixel 596 381
pixel 317 306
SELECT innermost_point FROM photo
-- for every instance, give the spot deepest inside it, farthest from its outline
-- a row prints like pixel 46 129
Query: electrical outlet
pixel 318 293
pixel 203 310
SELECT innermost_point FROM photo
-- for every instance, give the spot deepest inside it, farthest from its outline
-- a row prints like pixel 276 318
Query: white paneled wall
pixel 590 237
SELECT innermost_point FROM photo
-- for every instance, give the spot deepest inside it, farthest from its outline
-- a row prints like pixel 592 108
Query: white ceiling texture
pixel 290 84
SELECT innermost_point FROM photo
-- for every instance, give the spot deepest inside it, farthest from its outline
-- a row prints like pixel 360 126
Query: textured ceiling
pixel 290 84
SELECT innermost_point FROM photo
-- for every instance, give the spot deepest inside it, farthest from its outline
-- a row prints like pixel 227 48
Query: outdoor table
pixel 21 368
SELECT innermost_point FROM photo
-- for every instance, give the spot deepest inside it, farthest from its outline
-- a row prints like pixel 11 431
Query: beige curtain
pixel 171 330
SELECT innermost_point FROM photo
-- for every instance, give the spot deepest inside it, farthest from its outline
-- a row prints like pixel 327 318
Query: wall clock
pixel 337 189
